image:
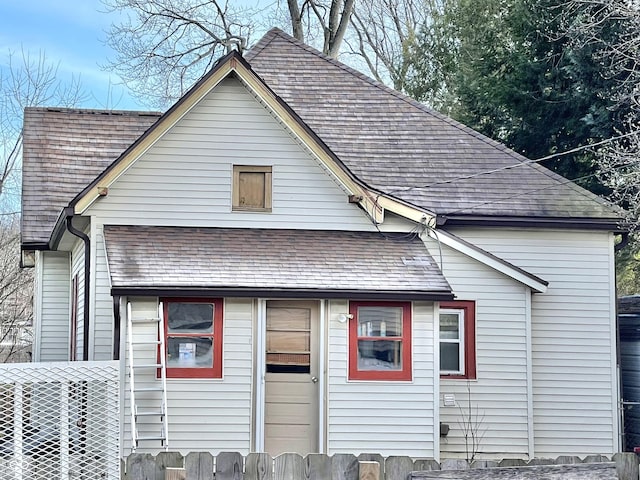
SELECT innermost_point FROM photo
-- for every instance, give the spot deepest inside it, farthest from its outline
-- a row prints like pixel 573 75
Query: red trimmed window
pixel 380 341
pixel 193 337
pixel 458 340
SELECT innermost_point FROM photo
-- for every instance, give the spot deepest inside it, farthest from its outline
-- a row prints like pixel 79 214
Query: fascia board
pixel 502 266
pixel 147 141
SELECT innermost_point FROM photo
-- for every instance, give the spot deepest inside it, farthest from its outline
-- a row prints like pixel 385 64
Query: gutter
pixel 624 241
pixel 87 272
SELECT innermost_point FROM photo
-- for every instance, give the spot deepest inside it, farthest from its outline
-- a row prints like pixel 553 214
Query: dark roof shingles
pixel 63 151
pixel 392 142
pixel 174 257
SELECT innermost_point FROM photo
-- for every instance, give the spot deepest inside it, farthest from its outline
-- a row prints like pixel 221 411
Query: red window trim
pixel 469 309
pixel 394 375
pixel 216 370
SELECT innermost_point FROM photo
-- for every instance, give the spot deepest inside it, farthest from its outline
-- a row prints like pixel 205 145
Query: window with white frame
pixel 457 340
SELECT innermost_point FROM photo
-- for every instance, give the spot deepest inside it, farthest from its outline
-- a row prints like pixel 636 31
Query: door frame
pixel 260 371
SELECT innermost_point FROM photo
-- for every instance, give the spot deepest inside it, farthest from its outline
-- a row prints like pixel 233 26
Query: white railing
pixel 60 420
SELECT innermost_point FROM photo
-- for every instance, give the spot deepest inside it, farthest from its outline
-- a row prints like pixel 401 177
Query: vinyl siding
pixel 572 335
pixel 204 414
pixel 103 305
pixel 77 268
pixel 54 311
pixel 498 397
pixel 185 179
pixel 390 418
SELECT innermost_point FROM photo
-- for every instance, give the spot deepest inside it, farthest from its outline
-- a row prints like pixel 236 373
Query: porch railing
pixel 59 420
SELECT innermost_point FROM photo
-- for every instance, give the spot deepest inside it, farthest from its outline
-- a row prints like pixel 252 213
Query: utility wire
pixel 516 165
pixel 522 194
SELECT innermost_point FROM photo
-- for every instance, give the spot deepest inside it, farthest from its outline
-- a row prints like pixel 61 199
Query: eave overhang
pixel 371 201
pixel 608 224
pixel 534 282
pixel 195 292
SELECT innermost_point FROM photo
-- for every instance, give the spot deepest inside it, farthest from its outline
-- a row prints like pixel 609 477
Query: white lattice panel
pixel 59 420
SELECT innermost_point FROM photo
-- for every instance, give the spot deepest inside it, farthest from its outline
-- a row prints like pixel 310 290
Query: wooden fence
pixel 289 466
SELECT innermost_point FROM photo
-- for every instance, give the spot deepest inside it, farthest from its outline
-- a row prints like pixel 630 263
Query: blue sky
pixel 71 33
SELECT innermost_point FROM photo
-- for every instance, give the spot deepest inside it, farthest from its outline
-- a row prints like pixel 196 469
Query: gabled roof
pixel 378 141
pixel 393 143
pixel 63 151
pixel 157 260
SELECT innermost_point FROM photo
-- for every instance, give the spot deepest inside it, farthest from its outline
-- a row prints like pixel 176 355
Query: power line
pixel 522 194
pixel 516 165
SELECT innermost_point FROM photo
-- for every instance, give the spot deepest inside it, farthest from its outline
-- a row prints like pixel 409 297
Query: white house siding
pixel 54 309
pixel 391 418
pixel 498 397
pixel 574 387
pixel 185 179
pixel 77 268
pixel 204 414
pixel 103 304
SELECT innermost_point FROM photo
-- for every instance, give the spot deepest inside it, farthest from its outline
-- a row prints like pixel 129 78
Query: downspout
pixel 87 290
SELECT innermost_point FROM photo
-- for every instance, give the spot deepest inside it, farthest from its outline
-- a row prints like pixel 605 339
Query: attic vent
pixel 416 261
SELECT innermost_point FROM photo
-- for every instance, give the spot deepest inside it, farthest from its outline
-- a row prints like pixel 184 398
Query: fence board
pixel 582 471
pixel 229 466
pixel 167 459
pixel 369 470
pixel 626 466
pixel 373 457
pixel 289 466
pixel 199 466
pixel 317 467
pixel 427 464
pixel 397 468
pixel 258 467
pixel 344 467
pixel 141 466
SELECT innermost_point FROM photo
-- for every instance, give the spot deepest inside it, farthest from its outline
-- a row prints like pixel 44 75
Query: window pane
pixel 379 355
pixel 190 317
pixel 449 326
pixel 190 352
pixel 379 321
pixel 450 357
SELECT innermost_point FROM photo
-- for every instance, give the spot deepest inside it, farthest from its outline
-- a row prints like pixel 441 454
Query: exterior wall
pixel 185 179
pixel 573 335
pixel 102 306
pixel 391 418
pixel 204 414
pixel 77 268
pixel 53 312
pixel 498 397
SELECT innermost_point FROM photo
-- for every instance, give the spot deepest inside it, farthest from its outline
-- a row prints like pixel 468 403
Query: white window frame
pixel 460 340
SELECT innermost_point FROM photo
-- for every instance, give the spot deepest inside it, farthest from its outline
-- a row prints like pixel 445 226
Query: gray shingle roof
pixel 392 142
pixel 258 259
pixel 63 151
pixel 386 139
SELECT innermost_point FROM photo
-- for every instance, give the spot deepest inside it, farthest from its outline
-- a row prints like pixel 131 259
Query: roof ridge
pixel 276 32
pixel 93 111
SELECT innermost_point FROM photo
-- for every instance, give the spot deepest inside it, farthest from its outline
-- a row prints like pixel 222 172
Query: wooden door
pixel 291 380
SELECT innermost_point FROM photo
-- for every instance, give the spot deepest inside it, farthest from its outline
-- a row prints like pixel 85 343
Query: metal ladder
pixel 151 370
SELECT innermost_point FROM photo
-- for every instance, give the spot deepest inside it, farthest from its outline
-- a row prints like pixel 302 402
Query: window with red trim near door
pixel 193 337
pixel 458 340
pixel 380 341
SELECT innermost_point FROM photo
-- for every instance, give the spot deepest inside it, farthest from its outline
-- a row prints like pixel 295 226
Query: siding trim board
pixel 530 280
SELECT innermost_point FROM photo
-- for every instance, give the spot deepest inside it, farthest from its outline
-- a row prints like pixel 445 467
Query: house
pixel 336 268
pixel 629 348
